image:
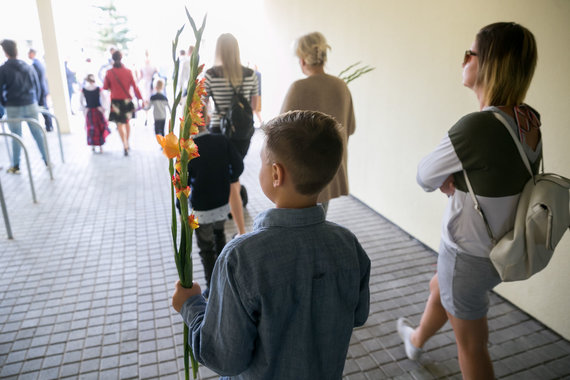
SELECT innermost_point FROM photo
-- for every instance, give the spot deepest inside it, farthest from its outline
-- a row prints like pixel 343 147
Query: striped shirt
pixel 220 90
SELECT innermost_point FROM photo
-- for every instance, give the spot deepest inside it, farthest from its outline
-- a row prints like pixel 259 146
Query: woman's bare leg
pixel 128 129
pixel 236 207
pixel 434 316
pixel 472 337
pixel 122 134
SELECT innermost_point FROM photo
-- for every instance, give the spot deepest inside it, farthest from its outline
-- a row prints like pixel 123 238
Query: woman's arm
pixel 435 168
pixel 135 88
pixel 254 100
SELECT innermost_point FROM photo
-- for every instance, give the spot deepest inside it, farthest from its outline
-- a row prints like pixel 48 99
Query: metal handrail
pixel 5 213
pixel 45 111
pixel 21 142
pixel 36 124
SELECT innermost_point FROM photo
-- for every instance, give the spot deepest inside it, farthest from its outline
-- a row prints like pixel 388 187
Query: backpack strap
pixel 478 208
pixel 517 143
pixel 120 84
pixel 234 93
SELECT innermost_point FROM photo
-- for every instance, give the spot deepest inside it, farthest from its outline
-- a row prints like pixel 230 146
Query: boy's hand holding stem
pixel 181 294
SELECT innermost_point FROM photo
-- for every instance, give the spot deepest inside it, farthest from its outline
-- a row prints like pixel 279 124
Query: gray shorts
pixel 465 282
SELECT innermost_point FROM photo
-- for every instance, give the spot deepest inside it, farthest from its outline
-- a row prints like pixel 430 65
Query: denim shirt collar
pixel 289 217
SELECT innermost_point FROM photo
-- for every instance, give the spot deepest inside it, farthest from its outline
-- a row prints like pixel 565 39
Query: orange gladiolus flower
pixel 185 143
pixel 178 165
pixel 185 191
pixel 169 144
pixel 176 181
pixel 193 221
pixel 192 151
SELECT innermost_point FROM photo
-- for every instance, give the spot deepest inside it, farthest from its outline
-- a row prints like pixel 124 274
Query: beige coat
pixel 330 95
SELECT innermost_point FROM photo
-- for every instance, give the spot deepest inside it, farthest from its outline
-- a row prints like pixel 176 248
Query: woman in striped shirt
pixel 221 80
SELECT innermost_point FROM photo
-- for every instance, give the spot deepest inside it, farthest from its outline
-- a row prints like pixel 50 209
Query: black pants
pixel 159 127
pixel 211 240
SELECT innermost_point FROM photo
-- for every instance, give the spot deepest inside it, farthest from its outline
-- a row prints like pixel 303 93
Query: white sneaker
pixel 405 331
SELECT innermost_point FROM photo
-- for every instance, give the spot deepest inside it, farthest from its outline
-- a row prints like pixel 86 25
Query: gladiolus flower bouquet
pixel 182 148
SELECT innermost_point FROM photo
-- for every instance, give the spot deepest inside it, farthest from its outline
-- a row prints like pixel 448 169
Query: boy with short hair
pixel 284 298
pixel 160 107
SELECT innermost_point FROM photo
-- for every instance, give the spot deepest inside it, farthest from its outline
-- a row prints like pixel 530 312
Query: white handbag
pixel 542 218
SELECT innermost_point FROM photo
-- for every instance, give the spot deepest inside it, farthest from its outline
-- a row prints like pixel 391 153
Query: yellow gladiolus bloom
pixel 193 221
pixel 192 150
pixel 185 191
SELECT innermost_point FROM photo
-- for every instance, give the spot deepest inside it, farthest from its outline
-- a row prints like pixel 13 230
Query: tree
pixel 113 28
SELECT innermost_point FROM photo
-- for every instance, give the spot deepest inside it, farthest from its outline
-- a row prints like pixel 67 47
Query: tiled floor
pixel 85 285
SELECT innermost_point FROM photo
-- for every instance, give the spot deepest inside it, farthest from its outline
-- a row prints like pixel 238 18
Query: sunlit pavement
pixel 85 284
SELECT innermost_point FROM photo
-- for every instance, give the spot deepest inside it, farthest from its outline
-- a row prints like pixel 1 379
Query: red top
pixel 119 80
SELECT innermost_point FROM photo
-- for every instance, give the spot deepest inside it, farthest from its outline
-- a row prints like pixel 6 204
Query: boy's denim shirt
pixel 283 300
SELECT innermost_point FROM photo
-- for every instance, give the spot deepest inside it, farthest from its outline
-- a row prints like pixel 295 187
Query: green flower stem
pixel 183 253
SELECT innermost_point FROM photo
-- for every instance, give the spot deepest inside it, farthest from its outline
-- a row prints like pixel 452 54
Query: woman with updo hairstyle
pixel 119 80
pixel 325 93
pixel 498 68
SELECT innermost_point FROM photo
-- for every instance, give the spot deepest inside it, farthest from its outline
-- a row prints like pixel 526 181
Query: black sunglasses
pixel 467 56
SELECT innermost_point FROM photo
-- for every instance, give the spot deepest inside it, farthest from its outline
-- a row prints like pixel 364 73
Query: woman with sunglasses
pixel 498 68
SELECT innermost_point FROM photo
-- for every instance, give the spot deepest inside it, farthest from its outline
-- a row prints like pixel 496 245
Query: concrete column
pixel 54 65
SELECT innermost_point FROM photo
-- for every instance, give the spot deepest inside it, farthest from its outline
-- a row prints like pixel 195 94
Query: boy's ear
pixel 277 174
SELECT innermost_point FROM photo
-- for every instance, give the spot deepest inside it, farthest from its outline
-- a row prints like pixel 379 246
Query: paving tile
pixel 49 373
pixel 71 369
pixel 128 372
pixel 112 373
pixel 10 369
pixel 72 356
pixel 29 375
pixel 109 362
pixel 167 368
pixel 36 352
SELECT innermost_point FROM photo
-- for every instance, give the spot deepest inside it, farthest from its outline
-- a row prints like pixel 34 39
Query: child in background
pixel 209 177
pixel 160 108
pixel 96 124
pixel 284 298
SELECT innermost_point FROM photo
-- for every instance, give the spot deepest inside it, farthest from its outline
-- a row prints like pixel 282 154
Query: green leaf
pixel 181 264
pixel 348 68
pixel 187 352
pixel 192 23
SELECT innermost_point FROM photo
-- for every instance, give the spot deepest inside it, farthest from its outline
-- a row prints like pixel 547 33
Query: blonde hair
pixel 227 53
pixel 159 85
pixel 507 57
pixel 312 48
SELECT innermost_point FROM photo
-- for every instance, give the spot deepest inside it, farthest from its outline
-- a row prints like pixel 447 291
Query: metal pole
pixel 45 111
pixel 5 213
pixel 37 125
pixel 21 142
pixel 8 150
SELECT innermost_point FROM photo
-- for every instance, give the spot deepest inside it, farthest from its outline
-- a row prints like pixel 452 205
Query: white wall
pixel 414 96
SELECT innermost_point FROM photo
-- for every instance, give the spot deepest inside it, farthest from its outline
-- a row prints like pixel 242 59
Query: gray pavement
pixel 85 285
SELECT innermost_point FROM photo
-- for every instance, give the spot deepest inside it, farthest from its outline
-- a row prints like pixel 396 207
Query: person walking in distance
pixel 119 80
pixel 19 93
